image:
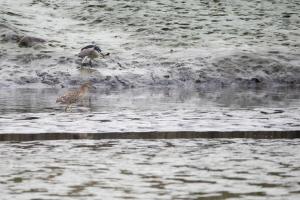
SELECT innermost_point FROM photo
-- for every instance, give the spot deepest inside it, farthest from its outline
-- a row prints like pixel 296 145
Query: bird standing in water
pixel 90 52
pixel 72 97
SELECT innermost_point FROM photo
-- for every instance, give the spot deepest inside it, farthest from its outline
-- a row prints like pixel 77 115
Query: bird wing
pixel 88 47
pixel 68 98
pixel 85 52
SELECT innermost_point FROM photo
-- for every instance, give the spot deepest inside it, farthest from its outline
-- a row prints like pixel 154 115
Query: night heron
pixel 90 52
pixel 72 97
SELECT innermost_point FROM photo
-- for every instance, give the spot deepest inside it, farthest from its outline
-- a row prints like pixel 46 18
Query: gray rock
pixel 28 41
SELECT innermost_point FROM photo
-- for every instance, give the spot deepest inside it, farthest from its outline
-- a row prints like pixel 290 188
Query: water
pixel 35 111
pixel 202 47
pixel 248 49
pixel 151 169
pixel 173 66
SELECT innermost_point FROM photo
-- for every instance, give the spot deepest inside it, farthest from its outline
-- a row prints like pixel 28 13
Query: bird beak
pixel 92 87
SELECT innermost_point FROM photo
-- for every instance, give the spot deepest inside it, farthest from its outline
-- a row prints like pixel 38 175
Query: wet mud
pixel 163 43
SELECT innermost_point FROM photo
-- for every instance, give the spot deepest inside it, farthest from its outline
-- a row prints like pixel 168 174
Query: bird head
pixel 97 49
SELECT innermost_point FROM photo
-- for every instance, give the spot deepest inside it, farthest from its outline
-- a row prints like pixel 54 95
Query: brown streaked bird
pixel 73 97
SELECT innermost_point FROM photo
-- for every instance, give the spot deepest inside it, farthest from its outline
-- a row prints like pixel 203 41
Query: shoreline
pixel 289 134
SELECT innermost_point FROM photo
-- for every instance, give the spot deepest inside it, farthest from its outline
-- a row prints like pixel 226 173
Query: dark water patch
pixel 268 185
pixel 274 112
pixel 152 135
pixel 29 118
pixel 104 120
pixel 226 195
pixel 234 178
pixel 187 181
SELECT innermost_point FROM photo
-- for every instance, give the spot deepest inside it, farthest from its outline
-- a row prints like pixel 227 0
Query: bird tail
pixel 59 100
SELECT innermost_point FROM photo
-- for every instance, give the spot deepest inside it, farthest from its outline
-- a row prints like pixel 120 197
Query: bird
pixel 90 52
pixel 72 97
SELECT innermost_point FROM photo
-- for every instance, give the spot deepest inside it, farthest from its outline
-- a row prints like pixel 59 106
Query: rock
pixel 10 36
pixel 28 41
pixel 26 79
pixel 9 33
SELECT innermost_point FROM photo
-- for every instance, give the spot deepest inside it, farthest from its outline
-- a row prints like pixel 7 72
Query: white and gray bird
pixel 90 52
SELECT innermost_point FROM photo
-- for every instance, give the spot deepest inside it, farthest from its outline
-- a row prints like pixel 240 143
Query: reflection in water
pixel 43 100
pixel 148 169
pixel 27 100
pixel 34 111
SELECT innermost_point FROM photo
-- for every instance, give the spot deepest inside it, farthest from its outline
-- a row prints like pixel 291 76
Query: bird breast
pixel 71 97
pixel 91 53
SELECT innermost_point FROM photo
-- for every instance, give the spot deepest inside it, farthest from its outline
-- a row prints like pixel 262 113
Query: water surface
pixel 151 169
pixel 35 111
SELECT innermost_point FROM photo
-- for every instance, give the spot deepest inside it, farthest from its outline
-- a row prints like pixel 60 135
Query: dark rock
pixel 28 41
pixel 255 80
pixel 10 36
pixel 26 79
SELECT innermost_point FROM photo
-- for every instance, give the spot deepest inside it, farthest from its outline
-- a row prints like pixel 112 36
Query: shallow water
pixel 177 45
pixel 151 169
pixel 35 111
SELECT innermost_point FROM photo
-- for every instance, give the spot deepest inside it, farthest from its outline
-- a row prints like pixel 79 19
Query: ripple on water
pixel 164 169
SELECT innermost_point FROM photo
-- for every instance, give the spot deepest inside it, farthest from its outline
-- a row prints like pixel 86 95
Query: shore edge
pixel 151 135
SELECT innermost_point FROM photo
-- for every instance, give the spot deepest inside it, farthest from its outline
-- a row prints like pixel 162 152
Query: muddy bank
pixel 222 46
pixel 22 67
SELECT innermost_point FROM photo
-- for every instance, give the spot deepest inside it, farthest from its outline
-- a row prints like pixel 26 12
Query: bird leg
pixel 84 60
pixel 68 107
